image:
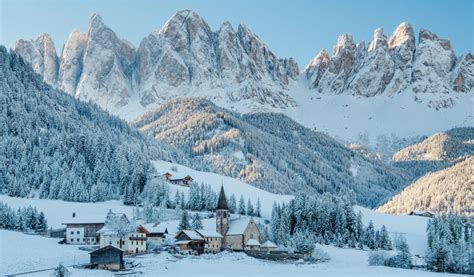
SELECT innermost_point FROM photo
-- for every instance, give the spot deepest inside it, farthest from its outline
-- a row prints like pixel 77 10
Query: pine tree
pixel 232 204
pixel 384 239
pixel 242 205
pixel 184 223
pixel 250 211
pixel 196 223
pixel 258 208
pixel 369 238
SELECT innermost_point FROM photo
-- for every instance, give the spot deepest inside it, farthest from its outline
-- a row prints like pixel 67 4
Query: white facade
pixel 132 243
pixel 75 235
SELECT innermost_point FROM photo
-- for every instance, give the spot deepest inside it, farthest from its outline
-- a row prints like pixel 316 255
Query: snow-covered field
pixel 35 253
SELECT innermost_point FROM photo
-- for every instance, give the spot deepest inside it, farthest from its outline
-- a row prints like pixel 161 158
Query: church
pixel 238 233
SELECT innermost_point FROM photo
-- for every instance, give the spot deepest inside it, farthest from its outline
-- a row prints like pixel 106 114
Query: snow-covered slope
pixel 443 191
pixel 270 151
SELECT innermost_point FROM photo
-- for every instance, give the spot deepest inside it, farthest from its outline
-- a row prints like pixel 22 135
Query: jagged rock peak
pixel 95 18
pixel 344 41
pixel 227 25
pixel 322 56
pixel 41 54
pixel 379 40
pixel 403 34
pixel 187 20
pixel 426 35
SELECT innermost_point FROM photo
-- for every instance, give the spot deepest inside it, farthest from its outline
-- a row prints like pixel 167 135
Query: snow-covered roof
pixel 269 244
pixel 209 233
pixel 107 246
pixel 192 234
pixel 154 228
pixel 183 242
pixel 238 226
pixel 252 242
pixel 106 230
pixel 90 219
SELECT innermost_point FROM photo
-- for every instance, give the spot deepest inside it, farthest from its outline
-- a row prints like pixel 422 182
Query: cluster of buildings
pixel 117 237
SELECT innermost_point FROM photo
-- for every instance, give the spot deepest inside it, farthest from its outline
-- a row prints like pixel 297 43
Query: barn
pixel 108 257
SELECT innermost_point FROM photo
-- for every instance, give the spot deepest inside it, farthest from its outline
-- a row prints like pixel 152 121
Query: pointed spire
pixel 222 203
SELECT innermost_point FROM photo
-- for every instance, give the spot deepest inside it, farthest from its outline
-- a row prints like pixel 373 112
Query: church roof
pixel 222 203
pixel 238 226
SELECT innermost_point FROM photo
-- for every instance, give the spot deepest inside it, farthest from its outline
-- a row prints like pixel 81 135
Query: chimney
pixel 73 214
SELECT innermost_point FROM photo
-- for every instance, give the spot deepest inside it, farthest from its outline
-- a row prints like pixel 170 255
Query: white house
pixel 119 232
pixel 83 229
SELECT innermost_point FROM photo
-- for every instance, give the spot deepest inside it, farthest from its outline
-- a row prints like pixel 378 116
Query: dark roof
pixel 222 203
pixel 107 248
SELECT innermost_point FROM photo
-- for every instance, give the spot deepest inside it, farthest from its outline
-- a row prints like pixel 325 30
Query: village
pixel 114 236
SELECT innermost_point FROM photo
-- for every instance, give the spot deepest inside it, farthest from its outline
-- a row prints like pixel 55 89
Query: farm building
pixel 108 257
pixel 83 229
pixel 190 242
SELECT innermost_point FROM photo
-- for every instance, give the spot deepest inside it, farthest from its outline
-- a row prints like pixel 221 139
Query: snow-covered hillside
pixel 270 151
pixel 231 186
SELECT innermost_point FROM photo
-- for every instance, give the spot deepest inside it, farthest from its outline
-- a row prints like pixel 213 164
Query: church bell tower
pixel 222 214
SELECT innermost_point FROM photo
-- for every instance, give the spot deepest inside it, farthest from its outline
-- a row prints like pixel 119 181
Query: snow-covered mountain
pixel 394 65
pixel 184 57
pixel 394 87
pixel 268 151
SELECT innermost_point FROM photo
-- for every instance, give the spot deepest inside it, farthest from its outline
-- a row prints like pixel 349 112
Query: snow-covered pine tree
pixel 250 211
pixel 258 209
pixel 369 236
pixel 232 204
pixel 384 239
pixel 184 223
pixel 196 222
pixel 242 209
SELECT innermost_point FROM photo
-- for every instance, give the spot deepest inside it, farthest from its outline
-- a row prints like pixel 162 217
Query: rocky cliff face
pixel 184 56
pixel 393 65
pixel 41 54
pixel 187 53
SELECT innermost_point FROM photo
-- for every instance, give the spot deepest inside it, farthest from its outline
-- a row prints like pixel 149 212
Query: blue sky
pixel 298 28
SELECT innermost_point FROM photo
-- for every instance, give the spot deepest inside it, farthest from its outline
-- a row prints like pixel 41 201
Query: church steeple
pixel 222 214
pixel 222 203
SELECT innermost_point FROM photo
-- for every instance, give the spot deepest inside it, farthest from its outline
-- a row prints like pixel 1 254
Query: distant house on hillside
pixel 177 178
pixel 422 213
pixel 108 257
pixel 83 230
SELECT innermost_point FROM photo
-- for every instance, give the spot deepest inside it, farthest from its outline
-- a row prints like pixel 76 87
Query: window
pixel 85 240
pixel 142 242
pixel 77 240
pixel 77 232
pixel 131 242
pixel 72 232
pixel 72 240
